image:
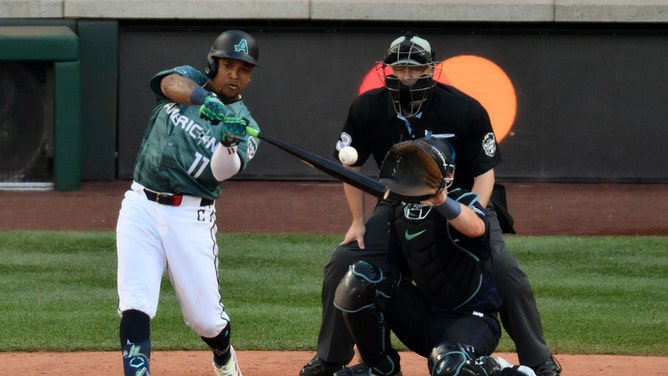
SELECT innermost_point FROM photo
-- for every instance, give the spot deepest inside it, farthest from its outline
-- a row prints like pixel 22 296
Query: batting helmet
pixel 232 44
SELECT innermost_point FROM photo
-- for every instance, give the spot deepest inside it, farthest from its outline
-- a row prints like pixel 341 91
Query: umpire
pixel 411 104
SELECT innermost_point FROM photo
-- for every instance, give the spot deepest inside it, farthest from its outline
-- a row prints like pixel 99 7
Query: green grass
pixel 597 295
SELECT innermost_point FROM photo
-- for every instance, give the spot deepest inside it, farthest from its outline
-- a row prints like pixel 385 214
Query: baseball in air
pixel 348 155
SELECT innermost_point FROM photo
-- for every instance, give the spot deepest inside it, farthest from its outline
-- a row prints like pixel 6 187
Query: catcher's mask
pixel 408 53
pixel 232 44
pixel 416 170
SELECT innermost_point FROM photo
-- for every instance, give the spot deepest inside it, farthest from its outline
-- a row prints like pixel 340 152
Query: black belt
pixel 171 199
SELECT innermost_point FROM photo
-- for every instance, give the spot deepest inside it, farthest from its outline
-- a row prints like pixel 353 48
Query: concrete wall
pixel 644 11
pixel 589 74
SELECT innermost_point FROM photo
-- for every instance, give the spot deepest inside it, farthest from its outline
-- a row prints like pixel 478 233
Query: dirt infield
pixel 312 207
pixel 274 363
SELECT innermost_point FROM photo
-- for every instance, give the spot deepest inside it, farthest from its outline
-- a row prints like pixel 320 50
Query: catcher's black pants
pixel 519 313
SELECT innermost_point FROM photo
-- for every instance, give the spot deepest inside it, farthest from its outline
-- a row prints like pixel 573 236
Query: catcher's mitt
pixel 416 170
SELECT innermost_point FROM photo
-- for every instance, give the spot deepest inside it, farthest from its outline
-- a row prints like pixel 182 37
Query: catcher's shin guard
pixel 372 336
pixel 365 286
pixel 359 296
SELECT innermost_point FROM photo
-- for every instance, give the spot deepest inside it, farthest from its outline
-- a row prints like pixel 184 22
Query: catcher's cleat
pixel 549 368
pixel 231 368
pixel 318 367
pixel 496 366
pixel 356 370
pixel 359 370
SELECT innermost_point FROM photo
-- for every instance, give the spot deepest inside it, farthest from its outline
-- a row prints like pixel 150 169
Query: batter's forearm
pixel 178 88
pixel 225 162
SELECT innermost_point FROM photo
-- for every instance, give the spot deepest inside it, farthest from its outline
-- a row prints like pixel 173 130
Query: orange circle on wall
pixel 488 83
pixel 476 76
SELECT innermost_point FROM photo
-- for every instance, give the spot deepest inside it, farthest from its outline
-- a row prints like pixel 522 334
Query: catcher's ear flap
pixel 410 172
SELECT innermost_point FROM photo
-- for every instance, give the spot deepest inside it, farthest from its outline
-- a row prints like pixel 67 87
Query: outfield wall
pixel 587 79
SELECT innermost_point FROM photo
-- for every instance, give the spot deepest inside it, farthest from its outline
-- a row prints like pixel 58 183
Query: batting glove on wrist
pixel 233 130
pixel 212 108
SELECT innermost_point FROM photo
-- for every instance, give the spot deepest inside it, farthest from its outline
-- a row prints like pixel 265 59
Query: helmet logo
pixel 242 46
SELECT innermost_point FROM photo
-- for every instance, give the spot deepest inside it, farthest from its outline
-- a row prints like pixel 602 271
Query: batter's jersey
pixel 373 127
pixel 175 153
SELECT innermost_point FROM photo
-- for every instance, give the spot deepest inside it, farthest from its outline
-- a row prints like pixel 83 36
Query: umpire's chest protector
pixel 444 270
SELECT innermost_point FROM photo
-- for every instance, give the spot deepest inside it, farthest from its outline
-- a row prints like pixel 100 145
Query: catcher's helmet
pixel 409 50
pixel 232 44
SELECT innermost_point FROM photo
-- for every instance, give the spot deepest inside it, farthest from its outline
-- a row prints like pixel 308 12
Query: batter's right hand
pixel 212 108
pixel 234 129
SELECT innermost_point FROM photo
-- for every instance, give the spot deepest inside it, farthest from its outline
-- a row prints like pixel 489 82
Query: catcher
pixel 435 291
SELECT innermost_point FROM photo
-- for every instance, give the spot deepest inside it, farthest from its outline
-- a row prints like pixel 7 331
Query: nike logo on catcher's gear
pixel 413 236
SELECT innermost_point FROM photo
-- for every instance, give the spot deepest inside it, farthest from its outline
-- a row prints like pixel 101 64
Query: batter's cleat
pixel 231 368
pixel 550 368
pixel 318 367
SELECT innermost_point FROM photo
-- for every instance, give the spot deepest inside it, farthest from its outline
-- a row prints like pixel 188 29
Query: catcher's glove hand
pixel 416 170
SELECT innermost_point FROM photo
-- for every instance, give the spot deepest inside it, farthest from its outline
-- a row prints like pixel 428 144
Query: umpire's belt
pixel 174 199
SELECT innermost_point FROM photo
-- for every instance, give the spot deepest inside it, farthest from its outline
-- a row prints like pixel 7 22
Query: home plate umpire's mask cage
pixel 408 72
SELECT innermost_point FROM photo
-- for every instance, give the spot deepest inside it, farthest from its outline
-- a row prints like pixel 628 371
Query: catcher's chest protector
pixel 446 273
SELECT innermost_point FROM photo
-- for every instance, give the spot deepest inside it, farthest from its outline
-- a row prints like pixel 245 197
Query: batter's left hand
pixel 212 108
pixel 233 130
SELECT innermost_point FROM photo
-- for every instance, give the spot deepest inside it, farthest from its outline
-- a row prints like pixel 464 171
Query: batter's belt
pixel 171 199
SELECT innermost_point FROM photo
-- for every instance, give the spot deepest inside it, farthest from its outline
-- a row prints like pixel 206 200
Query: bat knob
pixel 386 194
pixel 252 131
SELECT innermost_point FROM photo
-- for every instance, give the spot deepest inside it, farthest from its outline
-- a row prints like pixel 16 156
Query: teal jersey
pixel 175 153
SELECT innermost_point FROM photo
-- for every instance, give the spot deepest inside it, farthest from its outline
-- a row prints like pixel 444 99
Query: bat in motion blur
pixel 331 168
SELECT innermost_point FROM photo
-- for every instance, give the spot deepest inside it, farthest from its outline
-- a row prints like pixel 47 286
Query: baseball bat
pixel 331 168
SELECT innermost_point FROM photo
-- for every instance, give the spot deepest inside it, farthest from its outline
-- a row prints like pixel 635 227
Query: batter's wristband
pixel 450 209
pixel 198 95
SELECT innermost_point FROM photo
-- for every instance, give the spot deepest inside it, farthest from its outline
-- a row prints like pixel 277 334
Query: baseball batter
pixel 167 221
